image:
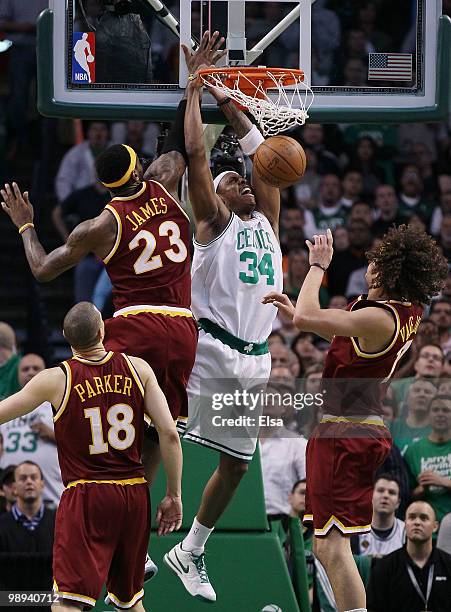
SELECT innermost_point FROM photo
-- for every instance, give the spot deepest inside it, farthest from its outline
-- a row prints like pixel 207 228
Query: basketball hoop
pixel 248 86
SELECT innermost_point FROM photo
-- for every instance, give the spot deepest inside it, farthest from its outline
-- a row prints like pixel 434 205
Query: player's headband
pixel 126 176
pixel 220 176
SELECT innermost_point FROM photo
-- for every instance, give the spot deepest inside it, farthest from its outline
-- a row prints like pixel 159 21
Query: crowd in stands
pixel 360 180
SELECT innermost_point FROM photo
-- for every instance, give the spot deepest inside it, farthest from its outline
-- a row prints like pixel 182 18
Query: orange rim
pixel 251 80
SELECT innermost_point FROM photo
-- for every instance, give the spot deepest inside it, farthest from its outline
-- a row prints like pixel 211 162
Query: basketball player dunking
pixel 237 259
pixel 368 339
pixel 100 401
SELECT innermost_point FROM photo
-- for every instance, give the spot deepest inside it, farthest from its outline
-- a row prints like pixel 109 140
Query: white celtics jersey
pixel 21 443
pixel 232 273
pixel 371 544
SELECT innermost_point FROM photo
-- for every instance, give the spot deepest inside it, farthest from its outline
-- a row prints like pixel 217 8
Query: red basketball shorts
pixel 167 343
pixel 101 536
pixel 341 462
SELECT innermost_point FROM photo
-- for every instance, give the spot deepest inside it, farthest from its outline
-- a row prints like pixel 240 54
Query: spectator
pixel 429 459
pixel 387 531
pixel 7 487
pixel 427 333
pixel 302 345
pixel 440 314
pixel 18 21
pixel 367 23
pixel 395 465
pixel 387 206
pixel 354 73
pixel 312 137
pixel 444 534
pixel 400 580
pixel 140 136
pixel 296 499
pixel 413 423
pixel 444 239
pixel 353 258
pixel 352 188
pixel 276 337
pixel 411 196
pixel 32 437
pixel 338 301
pixel 282 451
pixel 9 361
pixel 77 169
pixel 364 160
pixel 341 239
pixel 428 364
pixel 329 212
pixel 443 209
pixel 28 528
pixel 361 211
pixel 306 190
pixel 292 219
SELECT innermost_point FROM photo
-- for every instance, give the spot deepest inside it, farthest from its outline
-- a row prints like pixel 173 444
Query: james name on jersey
pixel 155 206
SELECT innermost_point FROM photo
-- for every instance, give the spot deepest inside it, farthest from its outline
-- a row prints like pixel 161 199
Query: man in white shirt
pixel 387 532
pixel 31 437
pixel 282 451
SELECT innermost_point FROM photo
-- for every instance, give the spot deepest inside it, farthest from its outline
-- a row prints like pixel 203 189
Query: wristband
pixel 25 226
pixel 253 139
pixel 225 101
pixel 317 265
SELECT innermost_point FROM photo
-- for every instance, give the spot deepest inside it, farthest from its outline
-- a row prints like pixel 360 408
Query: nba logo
pixel 83 57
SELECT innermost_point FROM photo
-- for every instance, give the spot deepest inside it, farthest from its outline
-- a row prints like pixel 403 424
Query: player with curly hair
pixel 368 339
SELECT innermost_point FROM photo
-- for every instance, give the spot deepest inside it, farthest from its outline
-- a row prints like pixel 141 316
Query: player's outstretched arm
pixel 170 166
pixel 169 512
pixel 92 236
pixel 267 198
pixel 370 323
pixel 210 212
pixel 48 385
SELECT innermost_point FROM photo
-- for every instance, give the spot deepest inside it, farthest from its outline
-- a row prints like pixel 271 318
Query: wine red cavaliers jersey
pixel 149 262
pixel 99 425
pixel 355 381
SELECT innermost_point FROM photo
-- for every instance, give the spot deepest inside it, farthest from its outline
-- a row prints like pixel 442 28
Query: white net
pixel 275 111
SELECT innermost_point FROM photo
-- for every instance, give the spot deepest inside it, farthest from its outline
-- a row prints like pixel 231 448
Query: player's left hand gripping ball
pixel 17 205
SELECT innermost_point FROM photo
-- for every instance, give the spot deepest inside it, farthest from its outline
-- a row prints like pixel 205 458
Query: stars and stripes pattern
pixel 390 66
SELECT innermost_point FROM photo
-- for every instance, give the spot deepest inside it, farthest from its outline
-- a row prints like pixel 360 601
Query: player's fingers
pixel 213 39
pixel 5 207
pixel 205 39
pixel 187 52
pixel 17 191
pixel 26 197
pixel 309 245
pixel 9 190
pixel 330 238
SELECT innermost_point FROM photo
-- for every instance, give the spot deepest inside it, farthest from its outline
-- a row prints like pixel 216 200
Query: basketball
pixel 90 58
pixel 280 161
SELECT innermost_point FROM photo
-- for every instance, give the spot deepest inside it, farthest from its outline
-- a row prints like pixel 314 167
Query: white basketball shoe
pixel 192 572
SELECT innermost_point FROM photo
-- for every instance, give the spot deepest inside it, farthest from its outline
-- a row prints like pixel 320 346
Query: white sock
pixel 196 538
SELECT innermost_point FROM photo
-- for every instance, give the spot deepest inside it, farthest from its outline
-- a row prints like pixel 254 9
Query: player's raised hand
pixel 17 205
pixel 281 301
pixel 208 53
pixel 169 515
pixel 321 250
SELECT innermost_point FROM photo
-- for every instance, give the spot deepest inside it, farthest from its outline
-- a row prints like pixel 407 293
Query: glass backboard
pixel 363 60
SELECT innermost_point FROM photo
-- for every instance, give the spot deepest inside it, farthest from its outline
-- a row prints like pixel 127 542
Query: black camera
pixel 227 155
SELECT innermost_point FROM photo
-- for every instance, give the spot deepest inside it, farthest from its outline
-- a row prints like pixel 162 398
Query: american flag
pixel 390 66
